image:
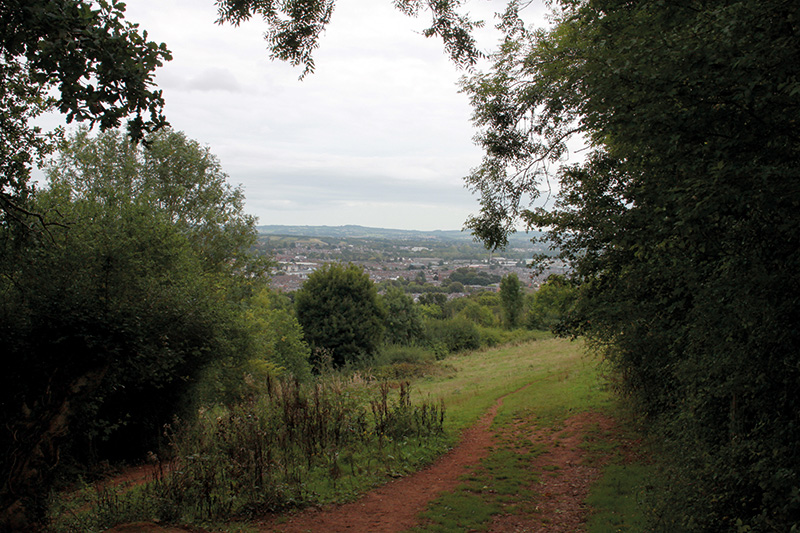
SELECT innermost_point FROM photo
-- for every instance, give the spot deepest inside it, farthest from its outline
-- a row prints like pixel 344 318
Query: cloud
pixel 378 135
pixel 214 79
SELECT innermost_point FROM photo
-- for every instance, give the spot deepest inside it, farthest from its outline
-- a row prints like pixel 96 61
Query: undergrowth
pixel 292 446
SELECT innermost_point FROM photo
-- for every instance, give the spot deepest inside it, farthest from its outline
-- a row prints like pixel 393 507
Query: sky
pixel 378 136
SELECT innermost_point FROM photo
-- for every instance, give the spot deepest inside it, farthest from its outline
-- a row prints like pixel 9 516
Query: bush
pixel 290 447
pixel 454 334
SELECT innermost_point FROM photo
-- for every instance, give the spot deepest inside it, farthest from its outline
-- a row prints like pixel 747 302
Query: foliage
pixel 289 446
pixel 471 276
pixel 512 296
pixel 181 178
pixel 402 322
pixel 438 299
pixel 107 319
pixel 339 311
pixel 480 315
pixel 452 334
pixel 550 304
pixel 278 336
pixel 681 225
pixel 294 27
pixel 81 58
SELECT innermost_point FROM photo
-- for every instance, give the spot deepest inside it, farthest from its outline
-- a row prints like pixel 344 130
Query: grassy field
pixel 559 376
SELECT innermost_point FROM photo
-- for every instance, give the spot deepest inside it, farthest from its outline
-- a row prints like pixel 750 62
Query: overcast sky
pixel 378 136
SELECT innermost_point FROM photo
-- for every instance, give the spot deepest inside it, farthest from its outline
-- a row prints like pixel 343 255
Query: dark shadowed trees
pixel 681 225
pixel 110 316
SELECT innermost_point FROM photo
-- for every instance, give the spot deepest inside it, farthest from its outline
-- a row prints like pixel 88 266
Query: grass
pixel 617 499
pixel 499 484
pixel 542 384
pixel 561 379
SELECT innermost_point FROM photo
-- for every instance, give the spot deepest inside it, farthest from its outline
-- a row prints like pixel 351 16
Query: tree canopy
pixel 339 310
pixel 110 316
pixel 681 225
pixel 81 58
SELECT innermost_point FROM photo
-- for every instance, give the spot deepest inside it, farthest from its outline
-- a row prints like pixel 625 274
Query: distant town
pixel 439 261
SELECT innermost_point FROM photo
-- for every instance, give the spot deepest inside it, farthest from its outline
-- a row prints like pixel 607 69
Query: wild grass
pixel 329 440
pixel 292 446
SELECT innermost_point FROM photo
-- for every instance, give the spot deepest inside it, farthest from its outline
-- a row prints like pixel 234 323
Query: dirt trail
pixel 395 506
pixel 565 477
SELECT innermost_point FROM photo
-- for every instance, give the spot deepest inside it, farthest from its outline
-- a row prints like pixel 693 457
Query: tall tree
pixel 340 313
pixel 513 300
pixel 681 226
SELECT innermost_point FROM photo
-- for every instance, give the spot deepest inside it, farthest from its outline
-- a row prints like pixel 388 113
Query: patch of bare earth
pixel 565 475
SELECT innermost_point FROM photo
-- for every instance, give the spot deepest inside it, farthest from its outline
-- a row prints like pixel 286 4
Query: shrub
pixel 454 334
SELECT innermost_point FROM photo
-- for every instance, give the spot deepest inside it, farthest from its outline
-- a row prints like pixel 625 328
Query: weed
pixel 296 444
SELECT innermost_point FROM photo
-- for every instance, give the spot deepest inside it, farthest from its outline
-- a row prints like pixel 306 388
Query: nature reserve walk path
pixel 565 474
pixel 396 506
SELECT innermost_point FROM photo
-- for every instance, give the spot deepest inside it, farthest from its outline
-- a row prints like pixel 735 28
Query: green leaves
pixel 340 313
pixel 98 66
pixel 680 225
pixel 295 26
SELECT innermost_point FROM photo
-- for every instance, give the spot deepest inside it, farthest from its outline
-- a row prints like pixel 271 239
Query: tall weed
pixel 293 445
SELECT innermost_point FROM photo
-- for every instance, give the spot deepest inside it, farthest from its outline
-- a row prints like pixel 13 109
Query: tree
pixel 513 300
pixel 81 58
pixel 278 336
pixel 470 276
pixel 402 322
pixel 178 176
pixel 338 308
pixel 550 304
pixel 477 313
pixel 106 321
pixel 681 226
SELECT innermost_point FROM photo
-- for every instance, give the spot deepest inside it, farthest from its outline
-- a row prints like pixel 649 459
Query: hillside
pixel 518 240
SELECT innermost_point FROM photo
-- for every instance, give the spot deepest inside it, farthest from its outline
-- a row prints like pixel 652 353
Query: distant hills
pixel 362 232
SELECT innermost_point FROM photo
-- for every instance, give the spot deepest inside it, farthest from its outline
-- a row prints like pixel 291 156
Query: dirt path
pixel 395 506
pixel 566 472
